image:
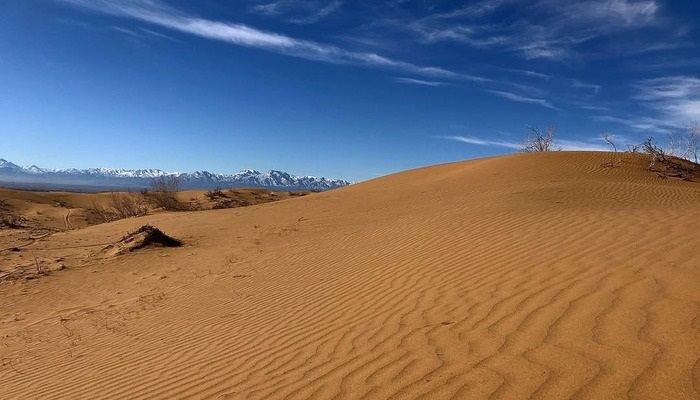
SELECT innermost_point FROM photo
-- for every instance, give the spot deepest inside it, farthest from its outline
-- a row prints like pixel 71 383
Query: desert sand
pixel 55 210
pixel 543 276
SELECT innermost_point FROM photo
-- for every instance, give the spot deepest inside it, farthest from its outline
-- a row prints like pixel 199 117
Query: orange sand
pixel 526 276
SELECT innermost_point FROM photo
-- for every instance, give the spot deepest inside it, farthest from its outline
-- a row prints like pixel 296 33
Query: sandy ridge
pixel 503 278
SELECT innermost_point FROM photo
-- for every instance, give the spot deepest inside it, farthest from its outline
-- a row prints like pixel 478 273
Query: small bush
pixel 683 143
pixel 609 140
pixel 215 194
pixel 12 220
pixel 128 205
pixel 656 152
pixel 667 163
pixel 120 206
pixel 538 141
pixel 163 193
pixel 102 213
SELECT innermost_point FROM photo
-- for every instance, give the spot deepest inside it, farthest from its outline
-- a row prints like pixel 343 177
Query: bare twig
pixel 608 140
pixel 538 141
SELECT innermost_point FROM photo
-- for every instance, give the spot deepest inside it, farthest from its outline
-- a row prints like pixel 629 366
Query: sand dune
pixel 53 210
pixel 527 276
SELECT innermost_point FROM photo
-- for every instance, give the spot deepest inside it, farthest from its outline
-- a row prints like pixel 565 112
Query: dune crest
pixel 527 276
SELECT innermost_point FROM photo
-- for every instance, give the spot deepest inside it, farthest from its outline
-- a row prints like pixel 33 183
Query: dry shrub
pixel 683 143
pixel 102 213
pixel 230 203
pixel 667 163
pixel 120 206
pixel 656 152
pixel 12 220
pixel 128 205
pixel 538 141
pixel 215 194
pixel 163 193
pixel 633 148
pixel 609 140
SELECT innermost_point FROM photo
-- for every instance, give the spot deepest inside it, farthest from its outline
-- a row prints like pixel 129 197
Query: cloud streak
pixel 575 83
pixel 637 123
pixel 483 142
pixel 302 12
pixel 552 30
pixel 420 82
pixel 523 99
pixel 156 13
pixel 596 144
pixel 141 33
pixel 675 98
pixel 578 145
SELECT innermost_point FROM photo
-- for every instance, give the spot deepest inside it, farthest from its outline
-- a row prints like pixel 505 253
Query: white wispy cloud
pixel 592 144
pixel 483 142
pixel 320 14
pixel 140 33
pixel 613 14
pixel 523 99
pixel 159 14
pixel 579 145
pixel 610 118
pixel 476 9
pixel 124 31
pixel 532 74
pixel 663 63
pixel 575 83
pixel 298 11
pixel 270 9
pixel 551 29
pixel 593 107
pixel 675 98
pixel 638 123
pixel 421 82
pixel 155 34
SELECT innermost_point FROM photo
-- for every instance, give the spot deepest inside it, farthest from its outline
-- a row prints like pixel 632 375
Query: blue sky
pixel 345 89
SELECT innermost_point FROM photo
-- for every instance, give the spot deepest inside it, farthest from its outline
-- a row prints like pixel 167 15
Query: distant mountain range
pixel 113 178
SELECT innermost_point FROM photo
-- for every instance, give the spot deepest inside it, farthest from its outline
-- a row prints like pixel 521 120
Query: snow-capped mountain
pixel 129 178
pixel 8 167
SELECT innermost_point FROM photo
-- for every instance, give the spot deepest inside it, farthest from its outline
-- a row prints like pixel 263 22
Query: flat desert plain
pixel 543 276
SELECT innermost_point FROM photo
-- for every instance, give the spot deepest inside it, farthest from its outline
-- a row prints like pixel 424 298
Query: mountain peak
pixel 8 165
pixel 142 178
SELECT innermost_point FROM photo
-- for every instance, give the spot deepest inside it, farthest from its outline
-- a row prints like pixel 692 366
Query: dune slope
pixel 526 276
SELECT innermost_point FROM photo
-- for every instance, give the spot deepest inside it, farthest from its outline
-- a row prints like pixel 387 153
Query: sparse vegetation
pixel 128 205
pixel 667 163
pixel 657 153
pixel 120 206
pixel 230 203
pixel 609 140
pixel 12 220
pixel 163 193
pixel 102 213
pixel 538 141
pixel 40 270
pixel 215 194
pixel 633 148
pixel 683 143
